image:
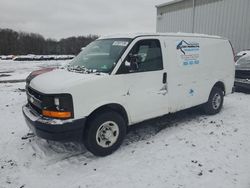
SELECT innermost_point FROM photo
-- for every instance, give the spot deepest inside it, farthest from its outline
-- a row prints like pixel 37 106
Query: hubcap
pixel 107 134
pixel 216 102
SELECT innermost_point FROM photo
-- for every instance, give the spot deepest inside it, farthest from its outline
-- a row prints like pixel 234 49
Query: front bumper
pixel 242 83
pixel 53 129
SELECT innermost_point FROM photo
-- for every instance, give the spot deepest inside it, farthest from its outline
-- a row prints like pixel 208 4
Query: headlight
pixel 58 106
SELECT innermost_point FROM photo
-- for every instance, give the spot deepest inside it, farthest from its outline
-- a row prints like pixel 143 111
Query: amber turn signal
pixel 55 114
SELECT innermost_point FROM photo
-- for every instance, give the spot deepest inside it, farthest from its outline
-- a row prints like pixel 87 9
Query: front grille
pixel 34 100
pixel 35 93
pixel 34 108
pixel 242 74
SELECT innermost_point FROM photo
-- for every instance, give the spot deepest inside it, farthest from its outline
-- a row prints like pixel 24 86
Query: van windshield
pixel 100 55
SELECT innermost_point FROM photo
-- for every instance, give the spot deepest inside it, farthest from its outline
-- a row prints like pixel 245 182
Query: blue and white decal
pixel 189 52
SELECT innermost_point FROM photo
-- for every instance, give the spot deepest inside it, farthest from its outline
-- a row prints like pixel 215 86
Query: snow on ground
pixel 182 150
pixel 18 70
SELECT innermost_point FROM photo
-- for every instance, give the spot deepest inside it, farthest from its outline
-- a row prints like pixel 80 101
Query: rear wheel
pixel 215 101
pixel 104 133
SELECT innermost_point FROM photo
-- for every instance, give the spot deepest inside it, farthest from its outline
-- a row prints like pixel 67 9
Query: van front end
pixel 51 116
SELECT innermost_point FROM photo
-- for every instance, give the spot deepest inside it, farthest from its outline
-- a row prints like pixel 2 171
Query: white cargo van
pixel 121 80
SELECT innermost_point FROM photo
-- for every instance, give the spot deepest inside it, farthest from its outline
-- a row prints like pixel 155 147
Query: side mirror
pixel 127 64
pixel 132 62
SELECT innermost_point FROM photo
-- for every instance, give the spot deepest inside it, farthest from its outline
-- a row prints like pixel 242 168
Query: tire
pixel 215 102
pixel 104 133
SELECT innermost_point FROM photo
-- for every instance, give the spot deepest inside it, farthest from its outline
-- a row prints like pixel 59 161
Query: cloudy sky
pixel 63 18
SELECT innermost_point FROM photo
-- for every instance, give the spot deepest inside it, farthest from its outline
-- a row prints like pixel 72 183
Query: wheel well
pixel 221 86
pixel 114 107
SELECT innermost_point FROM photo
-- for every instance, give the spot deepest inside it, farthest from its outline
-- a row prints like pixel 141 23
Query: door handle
pixel 164 78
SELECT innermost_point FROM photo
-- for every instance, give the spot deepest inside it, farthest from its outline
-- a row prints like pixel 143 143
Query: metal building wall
pixel 227 18
pixel 176 17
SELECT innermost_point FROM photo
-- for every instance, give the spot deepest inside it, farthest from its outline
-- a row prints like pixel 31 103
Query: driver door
pixel 142 74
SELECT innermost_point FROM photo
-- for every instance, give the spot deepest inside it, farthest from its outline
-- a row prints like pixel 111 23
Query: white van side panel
pixel 189 84
pixel 142 94
pixel 139 93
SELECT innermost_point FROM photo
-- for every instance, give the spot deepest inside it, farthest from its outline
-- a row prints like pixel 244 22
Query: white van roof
pixel 134 35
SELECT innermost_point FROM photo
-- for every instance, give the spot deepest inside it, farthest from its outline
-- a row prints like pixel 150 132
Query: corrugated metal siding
pixel 180 13
pixel 228 18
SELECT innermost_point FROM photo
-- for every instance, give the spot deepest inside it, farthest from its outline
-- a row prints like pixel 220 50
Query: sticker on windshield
pixel 120 43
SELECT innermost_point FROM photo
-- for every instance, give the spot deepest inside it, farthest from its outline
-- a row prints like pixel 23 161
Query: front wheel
pixel 104 133
pixel 215 101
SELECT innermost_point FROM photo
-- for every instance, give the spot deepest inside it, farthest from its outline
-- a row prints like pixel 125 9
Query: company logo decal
pixel 187 47
pixel 189 52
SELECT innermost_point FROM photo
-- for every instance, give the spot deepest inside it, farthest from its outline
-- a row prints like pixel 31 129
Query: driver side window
pixel 144 56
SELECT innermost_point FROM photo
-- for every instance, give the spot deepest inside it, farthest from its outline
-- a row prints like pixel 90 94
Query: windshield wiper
pixel 80 69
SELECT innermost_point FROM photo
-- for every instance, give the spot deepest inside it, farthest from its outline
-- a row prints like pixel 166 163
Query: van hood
pixel 60 80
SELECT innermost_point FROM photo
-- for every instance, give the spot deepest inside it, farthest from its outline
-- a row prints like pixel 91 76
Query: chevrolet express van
pixel 120 80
